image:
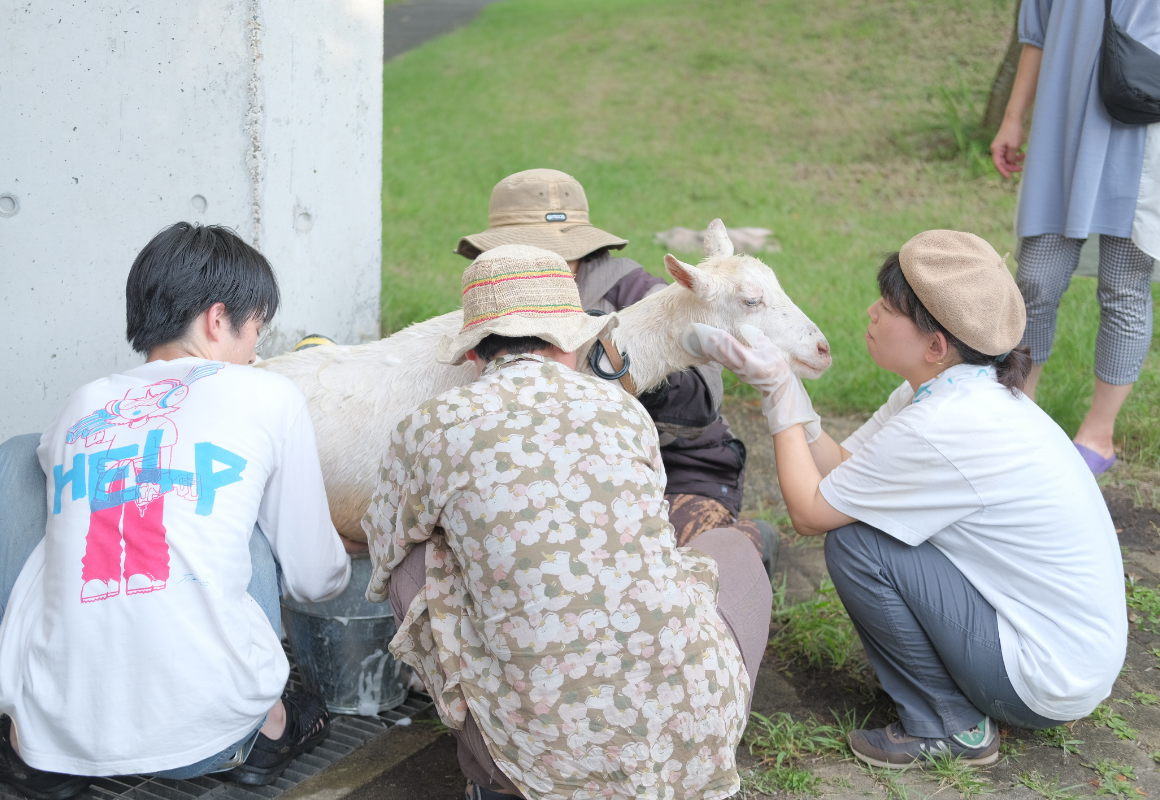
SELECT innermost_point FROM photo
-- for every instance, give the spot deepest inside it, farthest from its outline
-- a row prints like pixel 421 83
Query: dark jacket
pixel 701 455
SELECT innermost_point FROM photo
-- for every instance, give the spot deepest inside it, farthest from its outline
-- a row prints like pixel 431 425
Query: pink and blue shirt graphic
pixel 125 477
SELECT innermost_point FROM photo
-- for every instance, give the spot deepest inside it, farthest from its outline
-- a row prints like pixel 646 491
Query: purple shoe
pixel 1096 463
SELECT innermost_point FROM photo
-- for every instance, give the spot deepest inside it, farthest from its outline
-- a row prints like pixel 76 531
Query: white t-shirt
pixel 130 644
pixel 998 487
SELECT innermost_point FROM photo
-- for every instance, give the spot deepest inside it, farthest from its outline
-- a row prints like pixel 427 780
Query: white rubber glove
pixel 762 365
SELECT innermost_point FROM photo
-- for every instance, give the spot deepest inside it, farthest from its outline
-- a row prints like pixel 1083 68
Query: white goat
pixel 358 394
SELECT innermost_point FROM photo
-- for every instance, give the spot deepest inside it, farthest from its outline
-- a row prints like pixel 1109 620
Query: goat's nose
pixel 823 349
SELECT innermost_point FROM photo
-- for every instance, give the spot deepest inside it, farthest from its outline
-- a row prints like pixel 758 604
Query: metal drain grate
pixel 347 734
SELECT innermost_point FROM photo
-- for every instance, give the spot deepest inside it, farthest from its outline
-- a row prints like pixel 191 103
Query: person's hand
pixel 763 366
pixel 1005 148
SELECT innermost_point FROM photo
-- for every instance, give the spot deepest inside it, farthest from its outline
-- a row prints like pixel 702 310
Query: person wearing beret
pixel 967 537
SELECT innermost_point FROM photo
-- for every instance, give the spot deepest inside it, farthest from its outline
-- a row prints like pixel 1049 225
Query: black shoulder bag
pixel 1129 76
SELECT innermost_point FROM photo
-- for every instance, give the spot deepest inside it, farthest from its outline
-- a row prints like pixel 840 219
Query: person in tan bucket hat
pixel 543 208
pixel 521 535
pixel 519 291
pixel 704 461
pixel 966 536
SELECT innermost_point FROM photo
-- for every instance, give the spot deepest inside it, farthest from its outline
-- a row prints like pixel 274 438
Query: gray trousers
pixel 1046 264
pixel 928 633
pixel 744 601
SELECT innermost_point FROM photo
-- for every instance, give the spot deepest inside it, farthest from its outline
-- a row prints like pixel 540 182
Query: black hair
pixel 184 270
pixel 599 252
pixel 1011 371
pixel 493 344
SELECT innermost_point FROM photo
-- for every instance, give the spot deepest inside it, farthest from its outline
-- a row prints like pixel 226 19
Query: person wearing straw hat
pixel 704 461
pixel 520 534
pixel 967 537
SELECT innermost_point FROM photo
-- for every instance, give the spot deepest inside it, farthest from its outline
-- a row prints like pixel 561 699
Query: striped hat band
pixel 521 291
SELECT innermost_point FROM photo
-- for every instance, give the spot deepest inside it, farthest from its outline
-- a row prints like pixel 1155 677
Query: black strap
pixel 598 352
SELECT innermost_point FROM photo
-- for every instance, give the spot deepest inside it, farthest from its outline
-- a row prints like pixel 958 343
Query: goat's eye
pixel 752 301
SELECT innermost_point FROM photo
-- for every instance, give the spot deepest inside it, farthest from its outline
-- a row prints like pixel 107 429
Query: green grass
pixel 818 632
pixel 782 743
pixel 844 126
pixel 1114 778
pixel 772 780
pixel 1105 716
pixel 1146 601
pixel 952 772
pixel 1062 738
pixel 1048 789
pixel 889 780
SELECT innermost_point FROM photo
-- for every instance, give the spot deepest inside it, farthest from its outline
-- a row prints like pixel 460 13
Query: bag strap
pixel 1108 9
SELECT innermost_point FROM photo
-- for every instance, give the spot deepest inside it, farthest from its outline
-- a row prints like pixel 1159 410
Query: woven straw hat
pixel 542 208
pixel 517 290
pixel 967 287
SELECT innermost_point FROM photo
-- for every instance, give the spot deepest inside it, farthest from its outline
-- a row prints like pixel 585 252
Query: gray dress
pixel 1082 173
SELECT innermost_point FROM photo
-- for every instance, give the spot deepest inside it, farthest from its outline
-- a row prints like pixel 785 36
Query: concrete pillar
pixel 120 118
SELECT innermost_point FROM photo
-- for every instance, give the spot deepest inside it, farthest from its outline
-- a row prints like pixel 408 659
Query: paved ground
pixel 408 25
pixel 432 773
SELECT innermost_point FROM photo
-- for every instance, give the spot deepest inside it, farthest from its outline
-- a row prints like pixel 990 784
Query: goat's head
pixel 735 290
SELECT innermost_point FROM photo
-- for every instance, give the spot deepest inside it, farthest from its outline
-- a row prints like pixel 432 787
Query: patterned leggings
pixel 1046 264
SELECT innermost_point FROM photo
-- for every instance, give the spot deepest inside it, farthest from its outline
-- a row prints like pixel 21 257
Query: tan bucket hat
pixel 542 208
pixel 966 286
pixel 517 290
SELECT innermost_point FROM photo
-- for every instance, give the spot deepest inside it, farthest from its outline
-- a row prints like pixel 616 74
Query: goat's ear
pixel 717 241
pixel 693 279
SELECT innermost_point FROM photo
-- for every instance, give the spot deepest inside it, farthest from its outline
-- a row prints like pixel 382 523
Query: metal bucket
pixel 341 648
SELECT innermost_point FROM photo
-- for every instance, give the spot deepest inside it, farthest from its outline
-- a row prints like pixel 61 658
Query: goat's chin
pixel 805 370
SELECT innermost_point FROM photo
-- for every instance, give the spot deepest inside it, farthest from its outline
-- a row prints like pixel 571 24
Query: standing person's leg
pixel 1046 264
pixel 1125 294
pixel 24 498
pixel 934 643
pixel 476 763
pixel 744 596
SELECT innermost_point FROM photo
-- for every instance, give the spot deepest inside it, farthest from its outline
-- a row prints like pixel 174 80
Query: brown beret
pixel 967 287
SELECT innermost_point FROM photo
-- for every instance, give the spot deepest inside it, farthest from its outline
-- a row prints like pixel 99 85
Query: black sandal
pixel 307 724
pixel 30 781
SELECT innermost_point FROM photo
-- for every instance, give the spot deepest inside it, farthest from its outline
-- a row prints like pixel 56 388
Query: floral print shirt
pixel 557 607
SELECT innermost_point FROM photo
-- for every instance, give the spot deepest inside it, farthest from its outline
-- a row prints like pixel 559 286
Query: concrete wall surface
pixel 120 118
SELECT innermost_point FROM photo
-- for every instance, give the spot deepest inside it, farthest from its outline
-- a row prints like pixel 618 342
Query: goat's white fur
pixel 358 394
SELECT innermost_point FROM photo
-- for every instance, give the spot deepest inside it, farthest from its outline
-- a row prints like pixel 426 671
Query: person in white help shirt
pixel 141 625
pixel 967 538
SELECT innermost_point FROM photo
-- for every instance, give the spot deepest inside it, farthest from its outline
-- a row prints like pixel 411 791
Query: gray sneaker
pixel 890 747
